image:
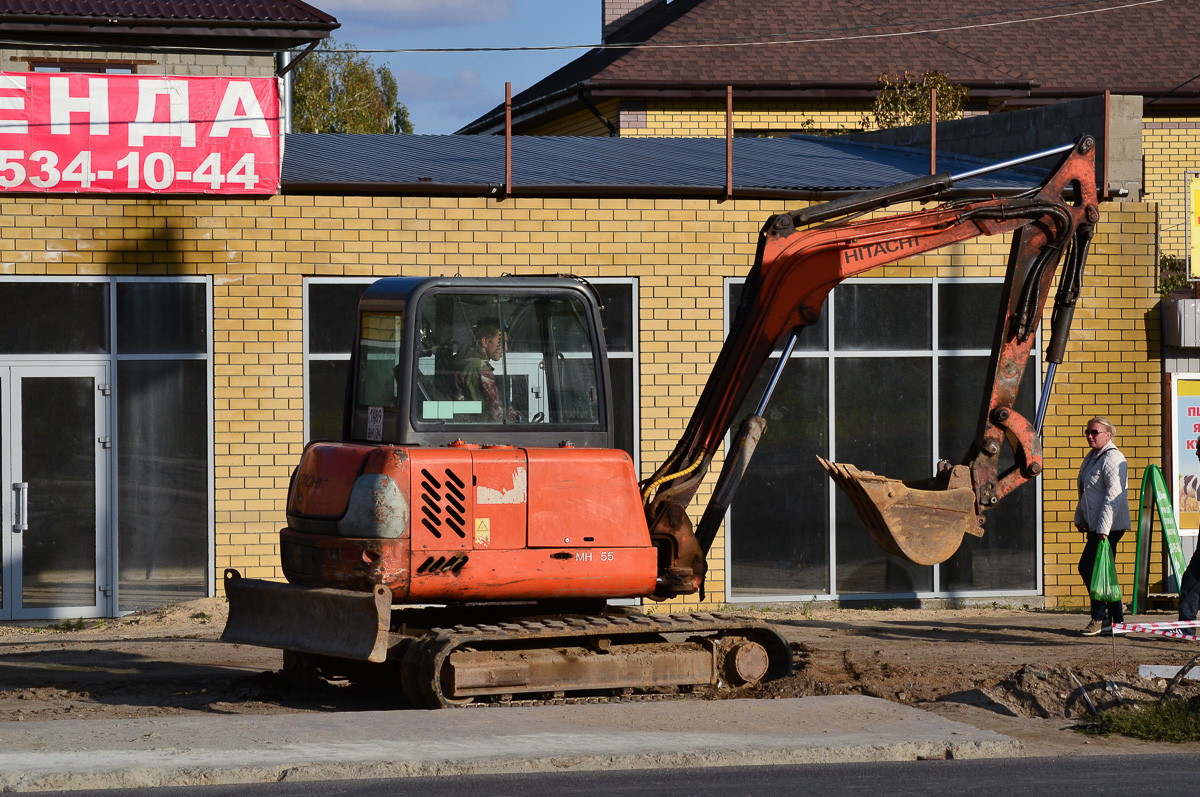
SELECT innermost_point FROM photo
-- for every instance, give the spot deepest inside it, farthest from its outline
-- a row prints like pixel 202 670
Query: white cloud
pixel 418 13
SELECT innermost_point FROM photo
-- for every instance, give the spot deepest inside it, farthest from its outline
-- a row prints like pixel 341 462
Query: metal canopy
pixel 809 167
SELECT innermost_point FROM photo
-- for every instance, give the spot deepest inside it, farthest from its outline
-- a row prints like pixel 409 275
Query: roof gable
pixel 1066 50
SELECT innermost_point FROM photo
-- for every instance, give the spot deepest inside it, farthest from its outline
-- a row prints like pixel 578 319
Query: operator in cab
pixel 476 377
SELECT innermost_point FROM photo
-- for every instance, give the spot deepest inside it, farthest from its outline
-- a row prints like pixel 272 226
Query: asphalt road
pixel 1146 776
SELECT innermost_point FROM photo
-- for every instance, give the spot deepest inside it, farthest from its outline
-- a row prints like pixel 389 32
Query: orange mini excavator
pixel 466 535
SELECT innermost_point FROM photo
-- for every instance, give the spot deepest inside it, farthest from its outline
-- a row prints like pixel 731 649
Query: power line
pixel 760 41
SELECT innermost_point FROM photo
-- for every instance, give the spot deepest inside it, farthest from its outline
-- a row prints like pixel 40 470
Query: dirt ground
pixel 1012 671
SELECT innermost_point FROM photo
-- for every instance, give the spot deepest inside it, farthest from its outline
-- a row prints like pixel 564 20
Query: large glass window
pixel 619 314
pixel 54 317
pixel 330 315
pixel 780 510
pixel 904 378
pixel 162 473
pixel 155 335
pixel 163 441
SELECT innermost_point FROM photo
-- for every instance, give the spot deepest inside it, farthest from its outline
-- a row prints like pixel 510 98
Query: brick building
pixel 205 338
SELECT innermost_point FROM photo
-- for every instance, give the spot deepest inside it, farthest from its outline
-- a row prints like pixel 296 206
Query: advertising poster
pixel 1193 227
pixel 138 134
pixel 1187 467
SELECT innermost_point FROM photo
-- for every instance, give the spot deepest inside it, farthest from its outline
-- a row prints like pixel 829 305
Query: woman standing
pixel 1103 511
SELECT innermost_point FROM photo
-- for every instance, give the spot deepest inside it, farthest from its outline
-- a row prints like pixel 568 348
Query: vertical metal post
pixel 1102 189
pixel 507 139
pixel 729 142
pixel 933 131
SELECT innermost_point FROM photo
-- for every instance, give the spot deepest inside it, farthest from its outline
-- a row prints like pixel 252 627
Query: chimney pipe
pixel 618 13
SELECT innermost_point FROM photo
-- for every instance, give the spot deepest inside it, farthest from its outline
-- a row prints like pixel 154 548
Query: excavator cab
pixel 514 361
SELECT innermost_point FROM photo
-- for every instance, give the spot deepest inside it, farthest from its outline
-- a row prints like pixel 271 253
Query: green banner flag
pixel 1154 489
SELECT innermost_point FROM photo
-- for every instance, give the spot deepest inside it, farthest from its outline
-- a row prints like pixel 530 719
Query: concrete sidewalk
pixel 166 751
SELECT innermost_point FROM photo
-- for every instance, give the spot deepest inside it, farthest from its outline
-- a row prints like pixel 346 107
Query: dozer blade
pixel 326 622
pixel 923 526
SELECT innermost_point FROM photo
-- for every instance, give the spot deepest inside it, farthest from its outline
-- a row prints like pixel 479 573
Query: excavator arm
pixel 794 272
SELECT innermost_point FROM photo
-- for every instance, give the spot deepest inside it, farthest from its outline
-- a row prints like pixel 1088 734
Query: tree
pixel 903 100
pixel 343 92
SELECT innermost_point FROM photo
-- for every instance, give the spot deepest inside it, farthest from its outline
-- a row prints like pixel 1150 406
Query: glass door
pixel 54 446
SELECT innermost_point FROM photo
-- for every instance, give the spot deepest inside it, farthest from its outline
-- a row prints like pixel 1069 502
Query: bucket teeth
pixel 923 526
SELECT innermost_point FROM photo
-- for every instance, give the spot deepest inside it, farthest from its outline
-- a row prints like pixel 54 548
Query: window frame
pixel 831 354
pixel 308 355
pixel 633 355
pixel 111 358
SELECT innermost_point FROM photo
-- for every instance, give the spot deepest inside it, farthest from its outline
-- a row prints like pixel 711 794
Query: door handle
pixel 21 496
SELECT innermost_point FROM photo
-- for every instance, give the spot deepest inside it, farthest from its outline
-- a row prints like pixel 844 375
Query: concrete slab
pixel 1166 671
pixel 76 754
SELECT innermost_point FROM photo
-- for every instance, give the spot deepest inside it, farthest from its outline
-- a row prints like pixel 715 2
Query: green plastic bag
pixel 1104 586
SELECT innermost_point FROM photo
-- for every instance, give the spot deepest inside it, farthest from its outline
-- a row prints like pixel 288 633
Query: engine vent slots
pixel 443 504
pixel 442 564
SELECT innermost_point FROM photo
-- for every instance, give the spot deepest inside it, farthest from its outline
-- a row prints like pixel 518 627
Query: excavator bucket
pixel 925 526
pixel 325 622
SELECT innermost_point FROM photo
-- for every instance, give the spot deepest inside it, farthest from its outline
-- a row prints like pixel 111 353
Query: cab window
pixel 499 359
pixel 378 359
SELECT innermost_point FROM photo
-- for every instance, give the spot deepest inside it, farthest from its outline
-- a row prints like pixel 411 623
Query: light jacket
pixel 1103 491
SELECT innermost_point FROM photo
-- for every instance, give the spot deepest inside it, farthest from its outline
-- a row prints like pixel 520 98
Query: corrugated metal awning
pixel 804 167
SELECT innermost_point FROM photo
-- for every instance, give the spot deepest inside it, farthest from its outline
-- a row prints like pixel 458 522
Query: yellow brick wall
pixel 1170 146
pixel 697 118
pixel 259 251
pixel 1113 368
pixel 684 118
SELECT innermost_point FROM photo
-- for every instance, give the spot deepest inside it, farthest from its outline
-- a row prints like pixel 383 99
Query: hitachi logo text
pixel 870 251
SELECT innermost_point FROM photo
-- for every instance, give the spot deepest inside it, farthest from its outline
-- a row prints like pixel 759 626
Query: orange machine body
pixel 468 523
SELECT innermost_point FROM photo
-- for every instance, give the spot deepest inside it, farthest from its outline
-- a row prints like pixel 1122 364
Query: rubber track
pixel 421 667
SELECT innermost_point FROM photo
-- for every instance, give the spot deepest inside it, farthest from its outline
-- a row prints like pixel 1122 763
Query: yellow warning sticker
pixel 483 532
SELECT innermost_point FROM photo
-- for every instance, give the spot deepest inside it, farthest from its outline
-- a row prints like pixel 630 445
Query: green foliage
pixel 341 92
pixel 69 625
pixel 904 100
pixel 1172 721
pixel 1172 275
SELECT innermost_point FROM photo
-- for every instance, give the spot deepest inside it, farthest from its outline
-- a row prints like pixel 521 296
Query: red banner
pixel 139 134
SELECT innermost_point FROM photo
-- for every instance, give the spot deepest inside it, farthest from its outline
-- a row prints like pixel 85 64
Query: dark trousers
pixel 1189 590
pixel 1113 612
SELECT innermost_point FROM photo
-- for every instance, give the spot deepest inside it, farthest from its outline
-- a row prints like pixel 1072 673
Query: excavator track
pixel 588 658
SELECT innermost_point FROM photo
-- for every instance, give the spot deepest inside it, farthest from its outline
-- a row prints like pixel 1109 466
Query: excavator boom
pixel 793 274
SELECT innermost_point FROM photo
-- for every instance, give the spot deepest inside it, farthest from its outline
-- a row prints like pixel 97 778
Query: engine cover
pixel 468 523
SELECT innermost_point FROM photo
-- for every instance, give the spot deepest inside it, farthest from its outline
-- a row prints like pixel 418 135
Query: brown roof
pixel 228 24
pixel 1026 53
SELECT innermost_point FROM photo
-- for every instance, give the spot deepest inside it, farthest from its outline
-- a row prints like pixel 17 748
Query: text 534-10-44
pixel 42 169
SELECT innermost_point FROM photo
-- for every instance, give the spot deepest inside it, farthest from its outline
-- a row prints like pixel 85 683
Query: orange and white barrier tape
pixel 1171 629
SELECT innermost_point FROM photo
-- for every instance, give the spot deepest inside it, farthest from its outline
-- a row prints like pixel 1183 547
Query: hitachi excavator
pixel 466 537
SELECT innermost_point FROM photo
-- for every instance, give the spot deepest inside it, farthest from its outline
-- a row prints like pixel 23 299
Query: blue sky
pixel 444 91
